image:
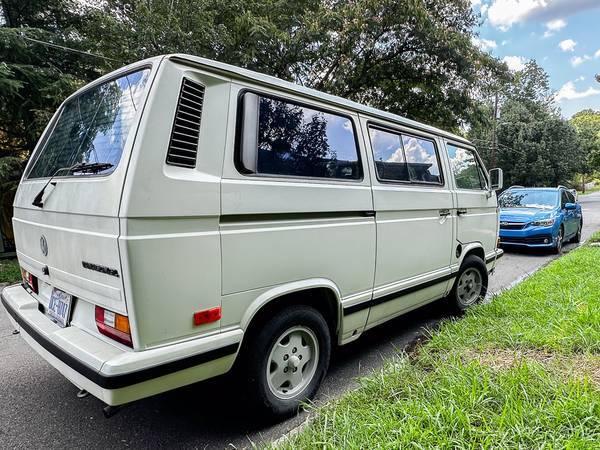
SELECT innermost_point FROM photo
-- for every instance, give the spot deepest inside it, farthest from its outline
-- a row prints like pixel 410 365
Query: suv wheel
pixel 577 238
pixel 559 241
pixel 287 360
pixel 470 285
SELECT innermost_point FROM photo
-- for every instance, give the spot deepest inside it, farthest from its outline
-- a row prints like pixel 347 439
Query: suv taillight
pixel 29 280
pixel 113 325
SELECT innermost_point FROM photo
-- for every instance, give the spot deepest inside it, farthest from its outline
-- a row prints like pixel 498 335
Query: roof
pixel 235 72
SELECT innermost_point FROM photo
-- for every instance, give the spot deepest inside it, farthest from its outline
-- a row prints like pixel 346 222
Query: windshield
pixel 528 199
pixel 92 127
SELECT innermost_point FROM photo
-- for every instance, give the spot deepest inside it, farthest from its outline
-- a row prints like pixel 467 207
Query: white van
pixel 180 215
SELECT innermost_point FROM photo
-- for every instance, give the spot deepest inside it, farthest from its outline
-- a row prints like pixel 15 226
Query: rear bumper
pixel 114 375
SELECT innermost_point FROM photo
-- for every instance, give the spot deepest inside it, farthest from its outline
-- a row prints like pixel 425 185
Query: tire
pixel 557 249
pixel 577 238
pixel 295 339
pixel 473 272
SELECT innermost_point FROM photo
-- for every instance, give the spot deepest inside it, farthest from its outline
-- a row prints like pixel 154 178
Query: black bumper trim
pixel 496 257
pixel 121 380
pixel 394 295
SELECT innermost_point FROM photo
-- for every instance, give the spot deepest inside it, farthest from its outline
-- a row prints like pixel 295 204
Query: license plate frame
pixel 59 307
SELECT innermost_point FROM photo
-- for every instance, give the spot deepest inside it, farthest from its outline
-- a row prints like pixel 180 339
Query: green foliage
pixel 9 271
pixel 410 57
pixel 587 124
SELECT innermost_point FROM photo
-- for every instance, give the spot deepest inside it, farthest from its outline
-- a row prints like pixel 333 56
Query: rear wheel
pixel 470 285
pixel 287 360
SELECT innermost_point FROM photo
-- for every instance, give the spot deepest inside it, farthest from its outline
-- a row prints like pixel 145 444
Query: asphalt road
pixel 39 408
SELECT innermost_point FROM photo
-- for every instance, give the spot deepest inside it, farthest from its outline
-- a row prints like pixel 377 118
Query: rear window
pixel 92 127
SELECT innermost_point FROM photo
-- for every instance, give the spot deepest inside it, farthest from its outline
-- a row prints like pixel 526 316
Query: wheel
pixel 577 238
pixel 287 359
pixel 470 285
pixel 557 249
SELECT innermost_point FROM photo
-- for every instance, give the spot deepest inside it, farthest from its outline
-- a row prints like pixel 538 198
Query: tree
pixel 535 145
pixel 414 58
pixel 587 124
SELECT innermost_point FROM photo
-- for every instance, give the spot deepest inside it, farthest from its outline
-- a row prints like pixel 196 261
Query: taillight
pixel 113 325
pixel 29 280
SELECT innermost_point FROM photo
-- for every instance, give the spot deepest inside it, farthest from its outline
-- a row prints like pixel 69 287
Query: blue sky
pixel 563 36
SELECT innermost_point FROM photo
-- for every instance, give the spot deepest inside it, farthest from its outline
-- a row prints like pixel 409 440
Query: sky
pixel 563 36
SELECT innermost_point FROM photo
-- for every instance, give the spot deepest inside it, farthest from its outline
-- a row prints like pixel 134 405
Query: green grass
pixel 520 372
pixel 9 271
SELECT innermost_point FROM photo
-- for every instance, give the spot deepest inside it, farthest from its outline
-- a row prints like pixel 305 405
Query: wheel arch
pixel 472 248
pixel 320 293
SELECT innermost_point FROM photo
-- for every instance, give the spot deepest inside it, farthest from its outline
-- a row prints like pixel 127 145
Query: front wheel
pixel 287 360
pixel 559 242
pixel 577 238
pixel 470 285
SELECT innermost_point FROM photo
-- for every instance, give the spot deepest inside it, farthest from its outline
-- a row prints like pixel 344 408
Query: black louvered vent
pixel 183 146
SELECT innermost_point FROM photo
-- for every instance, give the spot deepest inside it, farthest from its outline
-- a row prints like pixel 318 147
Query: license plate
pixel 59 307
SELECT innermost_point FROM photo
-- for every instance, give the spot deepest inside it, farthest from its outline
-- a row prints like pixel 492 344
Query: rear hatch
pixel 66 209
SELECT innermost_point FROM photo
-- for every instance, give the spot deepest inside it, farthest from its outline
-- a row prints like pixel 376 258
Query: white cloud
pixel 505 13
pixel 568 45
pixel 578 79
pixel 553 26
pixel 597 54
pixel 484 44
pixel 569 92
pixel 579 60
pixel 504 42
pixel 514 63
pixel 475 2
pixel 556 24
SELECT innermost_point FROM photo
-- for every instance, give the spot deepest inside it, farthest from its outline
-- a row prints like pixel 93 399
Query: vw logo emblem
pixel 44 245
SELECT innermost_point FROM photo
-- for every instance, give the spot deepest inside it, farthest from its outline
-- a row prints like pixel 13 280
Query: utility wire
pixel 67 49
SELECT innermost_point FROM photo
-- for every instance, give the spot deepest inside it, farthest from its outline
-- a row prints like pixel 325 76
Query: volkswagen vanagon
pixel 181 215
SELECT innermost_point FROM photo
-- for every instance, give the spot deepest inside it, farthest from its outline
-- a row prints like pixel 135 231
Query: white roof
pixel 245 74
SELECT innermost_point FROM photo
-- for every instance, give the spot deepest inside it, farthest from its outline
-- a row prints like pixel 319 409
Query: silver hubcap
pixel 292 362
pixel 469 287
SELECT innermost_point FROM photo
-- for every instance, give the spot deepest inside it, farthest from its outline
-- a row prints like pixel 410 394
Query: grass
pixel 9 271
pixel 522 371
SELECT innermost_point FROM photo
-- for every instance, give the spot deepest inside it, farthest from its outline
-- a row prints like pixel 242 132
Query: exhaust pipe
pixel 110 410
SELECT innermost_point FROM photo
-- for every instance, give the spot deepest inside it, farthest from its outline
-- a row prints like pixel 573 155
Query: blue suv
pixel 539 217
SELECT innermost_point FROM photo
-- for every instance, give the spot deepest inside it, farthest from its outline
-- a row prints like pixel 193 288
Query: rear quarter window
pixel 297 140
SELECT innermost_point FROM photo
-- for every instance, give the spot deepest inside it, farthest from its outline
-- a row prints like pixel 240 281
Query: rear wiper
pixel 79 167
pixel 89 167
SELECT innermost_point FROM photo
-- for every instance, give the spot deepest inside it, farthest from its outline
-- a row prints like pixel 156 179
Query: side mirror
pixel 570 206
pixel 496 179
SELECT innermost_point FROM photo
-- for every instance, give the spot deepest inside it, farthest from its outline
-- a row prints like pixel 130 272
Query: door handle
pixel 461 211
pixel 444 212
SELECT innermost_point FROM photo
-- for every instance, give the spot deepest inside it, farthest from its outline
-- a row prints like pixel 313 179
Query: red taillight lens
pixel 113 325
pixel 29 280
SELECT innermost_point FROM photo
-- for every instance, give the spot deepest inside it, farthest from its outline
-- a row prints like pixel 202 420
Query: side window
pixel 284 138
pixel 389 155
pixel 467 171
pixel 564 199
pixel 400 157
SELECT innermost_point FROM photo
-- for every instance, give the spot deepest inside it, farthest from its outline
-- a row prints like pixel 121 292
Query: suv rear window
pixel 92 127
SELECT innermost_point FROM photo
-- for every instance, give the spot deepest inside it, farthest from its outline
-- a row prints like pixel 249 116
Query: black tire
pixel 577 238
pixel 257 352
pixel 455 301
pixel 557 249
